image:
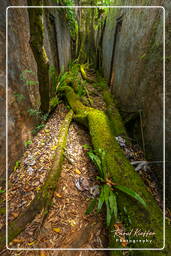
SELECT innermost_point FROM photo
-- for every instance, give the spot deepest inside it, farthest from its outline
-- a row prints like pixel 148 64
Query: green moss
pixel 122 173
pixel 2 211
pixel 113 114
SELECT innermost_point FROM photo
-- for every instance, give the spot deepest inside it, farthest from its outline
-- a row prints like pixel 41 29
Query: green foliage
pixel 131 193
pixel 86 146
pixel 61 79
pixel 34 112
pixel 81 90
pixel 142 56
pixel 68 107
pixel 2 191
pixel 37 113
pixel 68 77
pixel 37 128
pixel 25 76
pixel 31 82
pixel 91 206
pixel 113 204
pixel 108 194
pixel 97 161
pixel 17 164
pixel 27 143
pixel 54 102
pixel 98 158
pixel 101 82
pixel 44 117
pixel 19 97
pixel 69 15
pixel 53 77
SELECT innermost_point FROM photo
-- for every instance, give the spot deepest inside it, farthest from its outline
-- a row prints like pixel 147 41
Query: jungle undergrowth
pixel 109 190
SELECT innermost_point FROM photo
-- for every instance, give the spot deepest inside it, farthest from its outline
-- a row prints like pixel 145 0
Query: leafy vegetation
pixel 37 128
pixel 54 102
pixel 19 97
pixel 109 190
pixel 41 117
pixel 17 164
pixel 27 143
pixel 53 77
pixel 26 77
pixel 34 112
pixel 69 15
pixel 86 146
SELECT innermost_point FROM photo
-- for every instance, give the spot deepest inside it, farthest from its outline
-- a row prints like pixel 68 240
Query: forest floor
pixel 66 225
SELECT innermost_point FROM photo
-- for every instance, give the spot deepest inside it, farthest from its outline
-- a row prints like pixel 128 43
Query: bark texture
pixel 36 43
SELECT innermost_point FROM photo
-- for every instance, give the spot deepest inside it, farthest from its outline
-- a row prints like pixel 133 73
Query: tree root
pixel 84 75
pixel 43 198
pixel 122 173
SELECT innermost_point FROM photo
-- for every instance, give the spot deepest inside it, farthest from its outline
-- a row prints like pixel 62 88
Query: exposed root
pixel 121 172
pixel 43 198
pixel 84 75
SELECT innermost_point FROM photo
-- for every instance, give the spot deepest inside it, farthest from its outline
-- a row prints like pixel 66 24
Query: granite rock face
pixel 23 93
pixel 133 66
pixel 57 38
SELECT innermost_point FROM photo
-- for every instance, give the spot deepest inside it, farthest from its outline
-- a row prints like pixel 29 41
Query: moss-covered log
pixel 84 75
pixel 36 43
pixel 43 198
pixel 113 114
pixel 122 173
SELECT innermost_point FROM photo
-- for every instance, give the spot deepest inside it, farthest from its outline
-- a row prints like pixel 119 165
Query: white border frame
pixel 164 85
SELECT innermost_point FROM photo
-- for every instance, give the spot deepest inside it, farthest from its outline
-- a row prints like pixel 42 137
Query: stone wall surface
pixel 168 99
pixel 136 77
pixel 21 96
pixel 4 4
pixel 22 68
pixel 57 33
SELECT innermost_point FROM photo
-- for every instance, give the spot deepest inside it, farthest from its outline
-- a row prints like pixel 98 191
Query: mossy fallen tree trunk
pixel 122 173
pixel 113 114
pixel 36 43
pixel 43 198
pixel 84 75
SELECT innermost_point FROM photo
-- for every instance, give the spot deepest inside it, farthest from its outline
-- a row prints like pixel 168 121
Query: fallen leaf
pixel 54 147
pixel 37 189
pixel 72 222
pixel 42 253
pixel 14 214
pixel 47 131
pixel 58 195
pixel 77 171
pixel 16 241
pixel 31 243
pixel 57 230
